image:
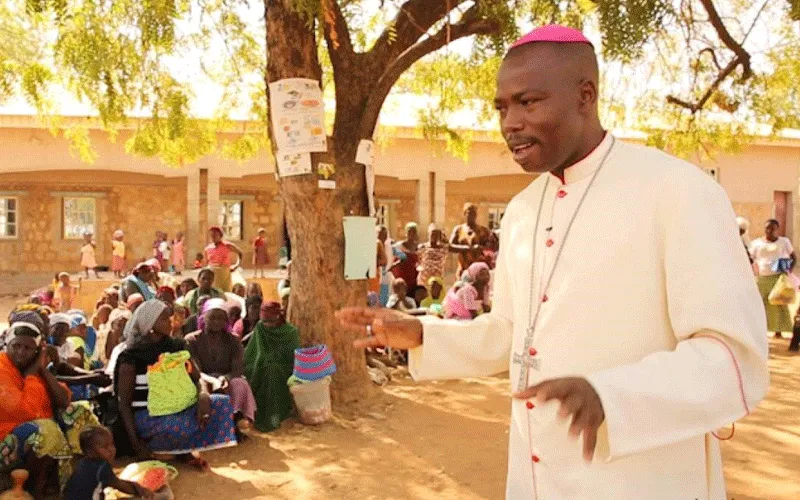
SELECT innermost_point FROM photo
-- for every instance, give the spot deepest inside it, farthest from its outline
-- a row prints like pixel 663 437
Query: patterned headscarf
pixel 11 333
pixel 142 321
pixel 209 305
pixel 24 314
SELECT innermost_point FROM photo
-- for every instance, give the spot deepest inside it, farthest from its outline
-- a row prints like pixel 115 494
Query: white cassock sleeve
pixel 718 371
pixel 459 349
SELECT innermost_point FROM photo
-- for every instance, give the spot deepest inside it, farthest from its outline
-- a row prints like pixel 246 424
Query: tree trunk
pixel 314 216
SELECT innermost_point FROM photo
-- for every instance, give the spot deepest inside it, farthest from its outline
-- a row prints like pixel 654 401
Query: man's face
pixel 471 215
pixel 206 281
pixel 216 320
pixel 23 352
pixel 771 230
pixel 540 108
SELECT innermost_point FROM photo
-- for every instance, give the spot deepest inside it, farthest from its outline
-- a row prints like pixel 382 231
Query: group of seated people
pixel 467 299
pixel 63 375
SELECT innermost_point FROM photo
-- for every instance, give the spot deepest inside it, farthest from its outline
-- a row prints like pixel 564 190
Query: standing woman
pixel 767 251
pixel 218 256
pixel 407 251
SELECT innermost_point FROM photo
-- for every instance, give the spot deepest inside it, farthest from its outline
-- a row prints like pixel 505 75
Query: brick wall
pixel 261 208
pixel 137 204
pixel 481 191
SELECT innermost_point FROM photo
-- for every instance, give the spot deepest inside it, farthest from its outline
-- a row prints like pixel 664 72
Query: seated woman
pixel 246 325
pixel 206 289
pixel 220 357
pixel 206 425
pixel 472 299
pixel 30 437
pixel 138 282
pixel 269 362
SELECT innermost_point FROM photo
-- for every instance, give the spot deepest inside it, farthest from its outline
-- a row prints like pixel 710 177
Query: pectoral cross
pixel 527 359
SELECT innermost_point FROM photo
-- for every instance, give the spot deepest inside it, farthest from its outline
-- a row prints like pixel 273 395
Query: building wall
pixel 482 191
pixel 402 194
pixel 138 204
pixel 261 208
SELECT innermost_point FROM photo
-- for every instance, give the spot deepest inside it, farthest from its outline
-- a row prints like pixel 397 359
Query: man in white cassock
pixel 624 306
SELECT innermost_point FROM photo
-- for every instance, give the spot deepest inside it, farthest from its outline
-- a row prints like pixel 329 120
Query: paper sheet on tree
pixel 298 116
pixel 359 252
pixel 290 164
pixel 366 157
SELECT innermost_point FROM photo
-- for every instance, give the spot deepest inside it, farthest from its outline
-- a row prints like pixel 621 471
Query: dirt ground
pixel 449 440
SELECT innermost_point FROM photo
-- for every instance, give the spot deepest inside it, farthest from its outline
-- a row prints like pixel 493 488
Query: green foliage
pixel 143 58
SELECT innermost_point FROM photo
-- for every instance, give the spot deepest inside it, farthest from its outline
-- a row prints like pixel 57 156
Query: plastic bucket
pixel 313 401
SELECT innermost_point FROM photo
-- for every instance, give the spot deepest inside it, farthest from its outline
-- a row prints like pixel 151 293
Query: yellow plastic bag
pixel 783 293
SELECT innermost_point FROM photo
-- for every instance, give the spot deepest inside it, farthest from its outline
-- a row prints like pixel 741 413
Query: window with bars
pixel 495 215
pixel 9 217
pixel 231 217
pixel 79 217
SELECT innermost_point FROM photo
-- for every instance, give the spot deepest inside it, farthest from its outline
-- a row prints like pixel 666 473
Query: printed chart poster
pixel 290 164
pixel 298 115
pixel 359 248
pixel 327 175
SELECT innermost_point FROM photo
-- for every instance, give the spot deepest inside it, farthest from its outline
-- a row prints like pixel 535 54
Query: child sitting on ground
pixel 94 473
pixel 398 300
pixel 198 261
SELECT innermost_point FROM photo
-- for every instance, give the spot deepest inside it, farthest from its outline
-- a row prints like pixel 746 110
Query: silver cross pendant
pixel 527 361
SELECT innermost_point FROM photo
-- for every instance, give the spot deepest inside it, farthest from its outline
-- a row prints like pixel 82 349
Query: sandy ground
pixel 449 440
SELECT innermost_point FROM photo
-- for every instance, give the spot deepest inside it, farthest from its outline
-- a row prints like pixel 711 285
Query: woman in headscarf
pixel 269 361
pixel 406 250
pixel 206 425
pixel 139 282
pixel 432 256
pixel 219 257
pixel 220 357
pixel 245 325
pixel 472 299
pixel 30 396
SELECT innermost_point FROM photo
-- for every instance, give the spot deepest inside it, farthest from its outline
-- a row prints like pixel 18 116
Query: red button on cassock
pixel 535 459
pixel 529 405
pixel 562 193
pixel 545 299
pixel 549 243
pixel 532 351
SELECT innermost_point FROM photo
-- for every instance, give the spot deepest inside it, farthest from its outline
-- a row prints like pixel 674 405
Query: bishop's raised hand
pixel 381 327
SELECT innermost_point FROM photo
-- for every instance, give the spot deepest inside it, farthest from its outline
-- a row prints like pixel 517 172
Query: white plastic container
pixel 313 401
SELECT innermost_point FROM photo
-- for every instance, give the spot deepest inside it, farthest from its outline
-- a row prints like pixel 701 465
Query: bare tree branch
pixel 413 21
pixel 741 58
pixel 337 33
pixel 470 24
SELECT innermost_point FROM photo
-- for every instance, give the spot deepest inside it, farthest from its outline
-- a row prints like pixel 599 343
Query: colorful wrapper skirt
pixel 180 433
pixel 48 437
pixel 778 317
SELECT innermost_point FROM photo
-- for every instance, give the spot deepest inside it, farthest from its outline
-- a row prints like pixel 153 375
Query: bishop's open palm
pixel 382 327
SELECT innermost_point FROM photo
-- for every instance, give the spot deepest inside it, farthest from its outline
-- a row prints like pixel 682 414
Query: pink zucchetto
pixel 553 33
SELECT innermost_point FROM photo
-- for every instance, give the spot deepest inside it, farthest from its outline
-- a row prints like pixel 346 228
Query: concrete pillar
pixel 424 203
pixel 193 236
pixel 212 198
pixel 440 202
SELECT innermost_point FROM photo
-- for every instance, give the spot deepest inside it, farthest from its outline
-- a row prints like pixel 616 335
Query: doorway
pixel 782 206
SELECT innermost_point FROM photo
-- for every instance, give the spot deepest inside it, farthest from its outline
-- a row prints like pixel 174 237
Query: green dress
pixel 269 362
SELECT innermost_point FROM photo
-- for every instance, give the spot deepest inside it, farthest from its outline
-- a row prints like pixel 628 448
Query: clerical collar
pixel 585 167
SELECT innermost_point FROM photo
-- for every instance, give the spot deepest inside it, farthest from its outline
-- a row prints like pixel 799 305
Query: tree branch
pixel 741 58
pixel 413 21
pixel 470 24
pixel 337 34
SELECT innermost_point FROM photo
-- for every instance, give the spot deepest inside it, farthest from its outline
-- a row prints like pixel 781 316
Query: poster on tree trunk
pixel 360 262
pixel 298 116
pixel 290 164
pixel 327 175
pixel 366 156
